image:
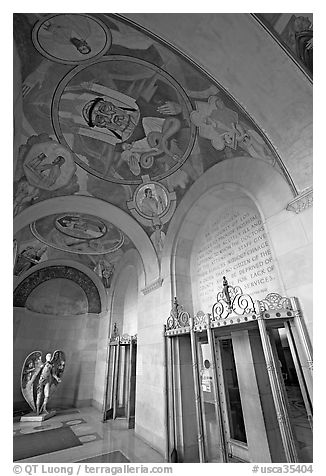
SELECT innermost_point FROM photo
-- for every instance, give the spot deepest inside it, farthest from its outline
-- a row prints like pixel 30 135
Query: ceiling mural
pixel 295 31
pixel 123 118
pixel 112 113
pixel 78 233
pixel 84 238
pixel 71 39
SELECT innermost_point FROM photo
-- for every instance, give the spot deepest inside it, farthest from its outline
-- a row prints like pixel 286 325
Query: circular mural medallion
pixel 151 200
pixel 71 38
pixel 78 233
pixel 123 118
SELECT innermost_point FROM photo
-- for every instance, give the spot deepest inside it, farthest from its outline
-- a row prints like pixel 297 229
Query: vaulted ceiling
pixel 110 112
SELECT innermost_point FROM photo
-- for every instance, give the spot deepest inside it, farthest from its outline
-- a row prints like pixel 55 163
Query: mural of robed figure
pixel 98 113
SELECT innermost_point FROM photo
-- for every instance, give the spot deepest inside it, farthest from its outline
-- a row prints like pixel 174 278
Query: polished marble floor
pixel 98 439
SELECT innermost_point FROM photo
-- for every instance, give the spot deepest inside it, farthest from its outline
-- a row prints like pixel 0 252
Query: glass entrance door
pixel 213 433
pixel 121 382
pixel 111 381
pixel 121 394
pixel 298 400
pixel 252 384
pixel 223 423
pixel 230 397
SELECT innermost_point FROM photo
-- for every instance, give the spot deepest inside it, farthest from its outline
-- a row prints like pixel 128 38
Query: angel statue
pixel 40 379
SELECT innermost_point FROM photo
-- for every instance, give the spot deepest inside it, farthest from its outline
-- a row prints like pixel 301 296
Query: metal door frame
pixel 234 310
pixel 114 351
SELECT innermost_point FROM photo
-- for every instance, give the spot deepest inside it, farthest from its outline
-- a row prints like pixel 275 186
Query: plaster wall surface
pixel 150 421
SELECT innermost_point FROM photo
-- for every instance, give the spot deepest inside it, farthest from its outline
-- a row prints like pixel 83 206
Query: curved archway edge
pixel 101 209
pixel 69 264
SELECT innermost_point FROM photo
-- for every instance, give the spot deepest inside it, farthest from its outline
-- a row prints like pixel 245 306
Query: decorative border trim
pixel 151 287
pixel 301 202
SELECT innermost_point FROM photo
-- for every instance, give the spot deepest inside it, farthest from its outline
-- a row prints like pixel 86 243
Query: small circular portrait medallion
pixel 71 38
pixel 152 200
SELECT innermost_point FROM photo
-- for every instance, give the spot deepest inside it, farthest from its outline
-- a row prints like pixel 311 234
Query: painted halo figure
pixel 130 128
pixel 44 376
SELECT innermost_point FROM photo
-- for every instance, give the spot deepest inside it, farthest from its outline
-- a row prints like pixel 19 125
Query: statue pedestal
pixel 33 417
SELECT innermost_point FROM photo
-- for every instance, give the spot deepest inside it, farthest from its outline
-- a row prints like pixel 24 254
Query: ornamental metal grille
pixel 231 300
pixel 178 316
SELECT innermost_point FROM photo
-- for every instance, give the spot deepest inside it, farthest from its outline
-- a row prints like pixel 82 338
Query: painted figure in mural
pixel 106 114
pixel 89 237
pixel 221 125
pixel 15 251
pixel 135 131
pixel 158 238
pixel 79 227
pixel 104 269
pixel 298 35
pixel 47 164
pixel 150 205
pixel 44 375
pixel 213 113
pixel 107 273
pixel 158 131
pixel 25 195
pixel 214 120
pixel 304 40
pixel 249 141
pixel 29 257
pixel 112 117
pixel 48 172
pixel 69 30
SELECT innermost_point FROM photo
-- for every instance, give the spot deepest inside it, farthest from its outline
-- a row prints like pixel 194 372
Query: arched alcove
pixel 288 234
pixel 81 270
pixel 59 296
pixel 58 306
pixel 128 280
pixel 52 272
pixel 231 242
pixel 101 209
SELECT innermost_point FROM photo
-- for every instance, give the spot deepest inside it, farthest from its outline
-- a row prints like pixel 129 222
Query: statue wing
pixel 30 370
pixel 59 362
